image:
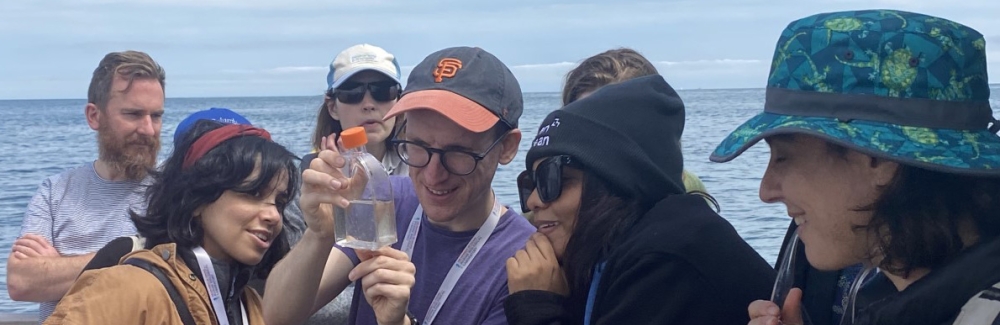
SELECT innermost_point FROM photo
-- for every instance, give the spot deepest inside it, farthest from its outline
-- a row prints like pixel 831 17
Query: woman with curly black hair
pixel 214 219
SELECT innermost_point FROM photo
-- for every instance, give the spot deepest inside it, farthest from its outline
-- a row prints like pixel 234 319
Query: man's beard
pixel 134 156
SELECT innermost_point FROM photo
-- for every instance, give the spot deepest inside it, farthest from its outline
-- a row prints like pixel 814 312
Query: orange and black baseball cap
pixel 466 84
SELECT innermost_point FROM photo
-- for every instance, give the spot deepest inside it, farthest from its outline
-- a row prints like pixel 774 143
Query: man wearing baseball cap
pixel 461 106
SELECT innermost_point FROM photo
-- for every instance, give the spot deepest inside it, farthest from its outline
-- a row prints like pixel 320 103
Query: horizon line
pixel 289 96
pixel 280 96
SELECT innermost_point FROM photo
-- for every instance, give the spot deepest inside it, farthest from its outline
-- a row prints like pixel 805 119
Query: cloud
pixel 182 21
pixel 288 70
pixel 708 73
pixel 223 4
pixel 695 43
pixel 708 62
pixel 544 66
pixel 714 74
pixel 570 65
pixel 932 7
pixel 237 71
pixel 534 77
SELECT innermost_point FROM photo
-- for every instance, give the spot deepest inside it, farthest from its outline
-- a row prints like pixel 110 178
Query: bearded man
pixel 75 213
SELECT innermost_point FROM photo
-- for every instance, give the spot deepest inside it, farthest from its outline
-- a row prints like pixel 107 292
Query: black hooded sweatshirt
pixel 681 263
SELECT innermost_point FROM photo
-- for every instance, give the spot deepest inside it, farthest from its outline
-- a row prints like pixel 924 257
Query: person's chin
pixel 251 259
pixel 382 135
pixel 143 156
pixel 826 261
pixel 439 214
pixel 373 129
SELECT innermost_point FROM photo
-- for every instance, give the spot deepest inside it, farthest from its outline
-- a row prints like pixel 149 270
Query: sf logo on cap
pixel 446 68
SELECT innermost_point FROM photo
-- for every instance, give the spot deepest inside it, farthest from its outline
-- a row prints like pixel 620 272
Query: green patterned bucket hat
pixel 898 85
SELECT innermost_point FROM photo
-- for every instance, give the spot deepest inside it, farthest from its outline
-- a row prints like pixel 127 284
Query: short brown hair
pixel 603 69
pixel 129 65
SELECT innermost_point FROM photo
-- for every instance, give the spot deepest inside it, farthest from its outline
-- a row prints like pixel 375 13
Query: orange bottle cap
pixel 354 137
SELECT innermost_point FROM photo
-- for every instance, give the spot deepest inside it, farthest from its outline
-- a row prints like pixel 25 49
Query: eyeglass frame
pixel 477 157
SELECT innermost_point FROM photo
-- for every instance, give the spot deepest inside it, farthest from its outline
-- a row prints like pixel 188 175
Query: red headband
pixel 213 138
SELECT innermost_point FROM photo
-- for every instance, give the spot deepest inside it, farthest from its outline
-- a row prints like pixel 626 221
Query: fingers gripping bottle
pixel 369 221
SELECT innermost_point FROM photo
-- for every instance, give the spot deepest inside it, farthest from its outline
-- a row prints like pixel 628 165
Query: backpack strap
pixel 175 296
pixel 138 242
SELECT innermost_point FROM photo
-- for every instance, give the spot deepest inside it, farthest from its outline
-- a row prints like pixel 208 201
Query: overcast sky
pixel 49 48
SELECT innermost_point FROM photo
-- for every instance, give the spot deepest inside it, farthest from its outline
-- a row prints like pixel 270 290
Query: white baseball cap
pixel 359 58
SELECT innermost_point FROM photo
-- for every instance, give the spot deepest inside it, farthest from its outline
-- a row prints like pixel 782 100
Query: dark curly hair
pixel 177 192
pixel 921 217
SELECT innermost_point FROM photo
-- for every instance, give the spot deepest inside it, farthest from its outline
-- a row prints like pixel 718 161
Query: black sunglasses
pixel 354 92
pixel 547 179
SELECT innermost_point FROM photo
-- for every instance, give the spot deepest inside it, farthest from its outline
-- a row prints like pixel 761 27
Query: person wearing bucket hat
pixel 885 153
pixel 619 240
pixel 462 106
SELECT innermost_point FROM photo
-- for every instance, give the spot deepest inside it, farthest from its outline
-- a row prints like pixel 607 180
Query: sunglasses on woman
pixel 546 179
pixel 354 92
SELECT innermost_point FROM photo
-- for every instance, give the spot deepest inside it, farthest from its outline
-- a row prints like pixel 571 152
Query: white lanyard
pixel 463 261
pixel 212 284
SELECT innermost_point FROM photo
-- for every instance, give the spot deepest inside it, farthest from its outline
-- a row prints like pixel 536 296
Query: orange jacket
pixel 125 294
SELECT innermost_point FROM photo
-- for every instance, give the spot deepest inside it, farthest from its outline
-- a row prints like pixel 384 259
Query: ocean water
pixel 39 138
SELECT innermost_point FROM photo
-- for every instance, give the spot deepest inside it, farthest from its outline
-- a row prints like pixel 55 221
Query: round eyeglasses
pixel 456 161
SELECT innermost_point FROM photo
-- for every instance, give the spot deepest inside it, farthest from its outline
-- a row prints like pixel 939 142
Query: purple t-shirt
pixel 479 294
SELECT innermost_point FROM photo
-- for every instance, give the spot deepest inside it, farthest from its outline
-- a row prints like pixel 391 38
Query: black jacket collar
pixel 938 297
